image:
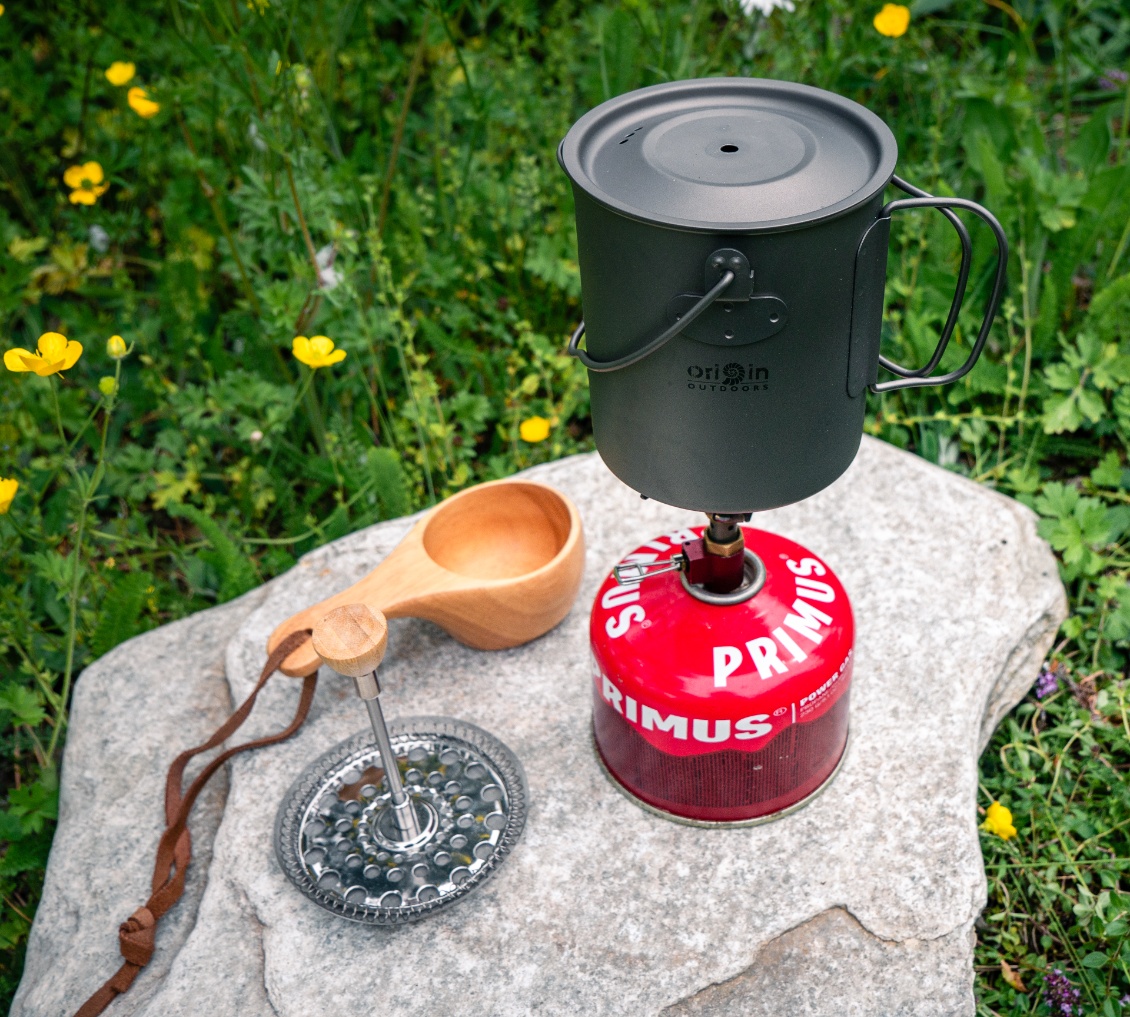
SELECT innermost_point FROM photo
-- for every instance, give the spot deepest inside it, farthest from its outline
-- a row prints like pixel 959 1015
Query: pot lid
pixel 729 154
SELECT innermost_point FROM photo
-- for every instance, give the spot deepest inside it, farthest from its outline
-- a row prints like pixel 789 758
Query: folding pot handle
pixel 922 376
pixel 604 366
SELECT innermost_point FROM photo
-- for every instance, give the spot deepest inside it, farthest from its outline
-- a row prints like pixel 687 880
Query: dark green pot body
pixel 734 426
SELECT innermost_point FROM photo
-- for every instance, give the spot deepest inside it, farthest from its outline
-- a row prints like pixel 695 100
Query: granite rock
pixel 863 902
pixel 133 711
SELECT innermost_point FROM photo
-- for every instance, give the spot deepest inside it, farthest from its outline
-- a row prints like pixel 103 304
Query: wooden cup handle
pixel 352 639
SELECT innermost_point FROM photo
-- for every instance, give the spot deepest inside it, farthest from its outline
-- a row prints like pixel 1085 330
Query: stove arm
pixel 715 561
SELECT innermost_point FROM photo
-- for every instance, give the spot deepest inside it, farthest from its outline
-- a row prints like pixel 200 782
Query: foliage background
pixel 383 173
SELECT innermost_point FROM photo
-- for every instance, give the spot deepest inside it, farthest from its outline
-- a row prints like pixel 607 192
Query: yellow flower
pixel 86 183
pixel 8 485
pixel 116 347
pixel 54 353
pixel 998 820
pixel 317 351
pixel 893 20
pixel 107 385
pixel 1 10
pixel 535 429
pixel 120 72
pixel 141 104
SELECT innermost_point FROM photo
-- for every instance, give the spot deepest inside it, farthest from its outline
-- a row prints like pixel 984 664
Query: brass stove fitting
pixel 723 537
pixel 727 550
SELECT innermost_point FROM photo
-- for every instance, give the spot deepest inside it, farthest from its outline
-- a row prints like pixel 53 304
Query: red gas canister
pixel 722 712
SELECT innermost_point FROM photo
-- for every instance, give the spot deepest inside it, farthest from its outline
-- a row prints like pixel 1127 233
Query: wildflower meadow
pixel 271 272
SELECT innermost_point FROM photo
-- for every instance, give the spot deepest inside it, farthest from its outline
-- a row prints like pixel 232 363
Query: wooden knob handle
pixel 352 639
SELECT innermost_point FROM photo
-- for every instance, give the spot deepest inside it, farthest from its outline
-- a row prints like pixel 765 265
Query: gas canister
pixel 721 708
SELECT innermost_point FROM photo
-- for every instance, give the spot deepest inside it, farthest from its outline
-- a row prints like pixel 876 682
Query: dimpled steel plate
pixel 336 844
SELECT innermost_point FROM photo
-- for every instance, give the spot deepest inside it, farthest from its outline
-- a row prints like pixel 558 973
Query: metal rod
pixel 403 811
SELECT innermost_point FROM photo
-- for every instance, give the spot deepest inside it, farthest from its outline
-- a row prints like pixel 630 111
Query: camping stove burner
pixel 337 840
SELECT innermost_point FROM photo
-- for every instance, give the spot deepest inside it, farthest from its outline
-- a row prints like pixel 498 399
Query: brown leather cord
pixel 137 934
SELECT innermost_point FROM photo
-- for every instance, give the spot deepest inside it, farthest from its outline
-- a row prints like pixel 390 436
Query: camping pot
pixel 732 241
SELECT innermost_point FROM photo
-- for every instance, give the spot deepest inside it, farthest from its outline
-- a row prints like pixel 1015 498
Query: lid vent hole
pixel 729 148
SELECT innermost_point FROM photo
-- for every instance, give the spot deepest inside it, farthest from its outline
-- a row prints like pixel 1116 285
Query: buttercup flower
pixel 54 353
pixel 998 820
pixel 120 72
pixel 534 430
pixel 116 347
pixel 317 351
pixel 893 20
pixel 107 385
pixel 8 485
pixel 86 183
pixel 141 104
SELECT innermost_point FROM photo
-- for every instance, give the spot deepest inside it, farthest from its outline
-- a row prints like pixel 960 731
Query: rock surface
pixel 861 903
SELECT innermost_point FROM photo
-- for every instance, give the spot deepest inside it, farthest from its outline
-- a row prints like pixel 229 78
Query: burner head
pixel 337 840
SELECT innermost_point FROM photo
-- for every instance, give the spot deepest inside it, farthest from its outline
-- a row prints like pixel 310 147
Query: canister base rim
pixel 714 824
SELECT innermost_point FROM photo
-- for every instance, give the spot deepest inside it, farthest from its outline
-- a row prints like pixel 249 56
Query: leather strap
pixel 137 934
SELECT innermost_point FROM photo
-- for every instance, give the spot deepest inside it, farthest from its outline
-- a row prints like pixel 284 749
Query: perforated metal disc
pixel 336 842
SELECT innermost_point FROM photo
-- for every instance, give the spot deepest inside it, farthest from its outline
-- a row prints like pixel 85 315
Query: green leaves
pixel 24 704
pixel 237 573
pixel 1108 317
pixel 1116 594
pixel 389 482
pixel 121 611
pixel 1109 472
pixel 1088 369
pixel 1076 526
pixel 37 803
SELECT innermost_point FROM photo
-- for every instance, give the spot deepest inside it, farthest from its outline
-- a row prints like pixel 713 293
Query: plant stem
pixel 1119 251
pixel 398 134
pixel 109 409
pixel 221 219
pixel 317 423
pixel 58 415
pixel 72 634
pixel 302 225
pixel 89 492
pixel 1029 316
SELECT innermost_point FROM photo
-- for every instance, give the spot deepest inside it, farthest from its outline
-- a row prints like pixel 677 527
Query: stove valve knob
pixel 717 572
pixel 704 566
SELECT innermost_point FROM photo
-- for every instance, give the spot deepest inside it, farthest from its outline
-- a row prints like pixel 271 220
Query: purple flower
pixel 1060 995
pixel 1125 1000
pixel 1113 80
pixel 1047 682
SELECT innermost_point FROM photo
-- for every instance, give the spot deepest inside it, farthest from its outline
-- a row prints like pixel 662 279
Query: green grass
pixel 414 147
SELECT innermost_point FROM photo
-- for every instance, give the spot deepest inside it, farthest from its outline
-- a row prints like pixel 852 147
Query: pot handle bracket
pixel 867 305
pixel 728 280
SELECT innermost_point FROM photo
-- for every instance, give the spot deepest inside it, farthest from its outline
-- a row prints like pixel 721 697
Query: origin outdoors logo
pixel 732 377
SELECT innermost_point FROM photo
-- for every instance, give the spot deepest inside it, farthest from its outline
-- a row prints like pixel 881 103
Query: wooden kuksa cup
pixel 495 566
